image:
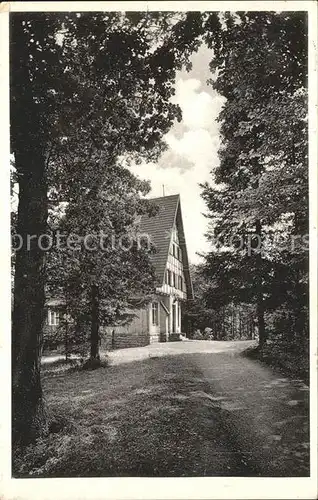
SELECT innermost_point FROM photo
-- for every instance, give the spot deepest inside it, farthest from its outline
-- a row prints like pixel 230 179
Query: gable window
pixel 155 313
pixel 174 280
pixel 180 283
pixel 168 277
pixel 53 317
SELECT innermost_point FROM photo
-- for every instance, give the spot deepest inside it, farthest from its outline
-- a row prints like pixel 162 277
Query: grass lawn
pixel 188 414
pixel 136 419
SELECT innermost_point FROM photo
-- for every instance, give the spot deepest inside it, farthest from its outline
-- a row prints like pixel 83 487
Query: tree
pixel 101 80
pixel 195 313
pixel 213 308
pixel 262 177
pixel 32 49
pixel 107 269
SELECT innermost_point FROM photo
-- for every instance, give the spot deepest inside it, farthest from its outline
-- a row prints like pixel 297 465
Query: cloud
pixel 172 160
pixel 199 142
pixel 200 66
pixel 197 146
pixel 199 108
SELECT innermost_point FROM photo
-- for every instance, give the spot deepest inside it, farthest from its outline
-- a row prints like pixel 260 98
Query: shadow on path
pixel 186 414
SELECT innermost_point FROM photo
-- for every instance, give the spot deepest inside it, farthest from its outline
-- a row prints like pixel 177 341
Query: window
pixel 53 317
pixel 168 277
pixel 176 251
pixel 174 280
pixel 180 283
pixel 155 313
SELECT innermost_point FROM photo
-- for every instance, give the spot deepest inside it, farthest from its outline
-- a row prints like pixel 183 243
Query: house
pixel 160 320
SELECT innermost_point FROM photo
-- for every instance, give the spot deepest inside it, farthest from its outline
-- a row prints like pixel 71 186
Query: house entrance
pixel 174 317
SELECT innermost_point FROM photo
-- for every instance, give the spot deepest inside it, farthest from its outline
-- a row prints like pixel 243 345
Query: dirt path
pixel 266 414
pixel 183 409
pixel 263 414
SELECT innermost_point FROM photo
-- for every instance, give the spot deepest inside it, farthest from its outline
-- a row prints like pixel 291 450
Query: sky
pixel 191 155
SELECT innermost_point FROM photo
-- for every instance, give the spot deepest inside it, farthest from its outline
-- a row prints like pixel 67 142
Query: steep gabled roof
pixel 159 227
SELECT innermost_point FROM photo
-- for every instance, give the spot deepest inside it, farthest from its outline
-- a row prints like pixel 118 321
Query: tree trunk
pixel 95 324
pixel 259 286
pixel 223 324
pixel 240 323
pixel 66 349
pixel 301 291
pixel 28 419
pixel 260 321
pixel 29 145
pixel 232 321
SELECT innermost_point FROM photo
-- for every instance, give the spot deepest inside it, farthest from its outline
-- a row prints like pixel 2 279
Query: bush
pixel 206 335
pixel 198 335
pixel 66 337
pixel 289 357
